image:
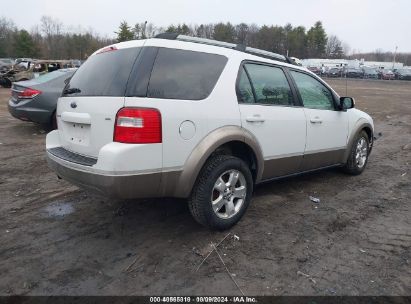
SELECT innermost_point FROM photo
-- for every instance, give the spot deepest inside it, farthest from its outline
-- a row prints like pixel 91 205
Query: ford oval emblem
pixel 73 105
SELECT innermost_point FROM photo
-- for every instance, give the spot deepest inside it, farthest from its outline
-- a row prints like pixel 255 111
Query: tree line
pixel 294 41
pixel 50 39
pixel 380 55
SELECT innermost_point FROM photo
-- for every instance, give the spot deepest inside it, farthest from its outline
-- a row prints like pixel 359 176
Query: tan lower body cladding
pixel 287 165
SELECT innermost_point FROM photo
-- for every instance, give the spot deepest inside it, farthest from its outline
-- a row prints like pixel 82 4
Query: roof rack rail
pixel 238 47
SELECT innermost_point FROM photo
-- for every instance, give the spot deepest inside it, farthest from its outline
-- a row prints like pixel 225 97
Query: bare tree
pixel 7 30
pixel 346 48
pixel 334 48
pixel 150 30
pixel 241 32
pixel 252 37
pixel 379 55
pixel 137 31
pixel 52 30
pixel 198 31
pixel 209 30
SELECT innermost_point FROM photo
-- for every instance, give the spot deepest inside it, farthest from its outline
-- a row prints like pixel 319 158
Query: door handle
pixel 316 120
pixel 255 118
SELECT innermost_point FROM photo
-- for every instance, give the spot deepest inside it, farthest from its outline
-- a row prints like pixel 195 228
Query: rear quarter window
pixel 181 74
pixel 105 74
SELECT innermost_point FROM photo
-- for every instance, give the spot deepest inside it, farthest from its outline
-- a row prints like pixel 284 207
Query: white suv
pixel 177 116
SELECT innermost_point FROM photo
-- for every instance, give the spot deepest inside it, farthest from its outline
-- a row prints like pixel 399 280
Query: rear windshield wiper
pixel 71 91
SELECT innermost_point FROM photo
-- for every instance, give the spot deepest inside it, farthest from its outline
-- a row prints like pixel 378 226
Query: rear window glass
pixel 53 75
pixel 188 75
pixel 105 74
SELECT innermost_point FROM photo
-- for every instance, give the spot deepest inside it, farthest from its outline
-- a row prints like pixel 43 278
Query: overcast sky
pixel 365 25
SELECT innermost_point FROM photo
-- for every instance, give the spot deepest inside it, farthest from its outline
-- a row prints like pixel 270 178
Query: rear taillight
pixel 138 126
pixel 28 93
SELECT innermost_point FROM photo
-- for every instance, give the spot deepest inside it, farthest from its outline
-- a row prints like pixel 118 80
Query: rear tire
pixel 52 125
pixel 222 192
pixel 7 83
pixel 358 157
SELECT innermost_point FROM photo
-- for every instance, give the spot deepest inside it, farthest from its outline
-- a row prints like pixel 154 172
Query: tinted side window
pixel 314 94
pixel 180 74
pixel 245 92
pixel 270 85
pixel 105 74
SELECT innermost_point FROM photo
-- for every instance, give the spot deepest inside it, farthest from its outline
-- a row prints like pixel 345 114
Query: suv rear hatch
pixel 87 110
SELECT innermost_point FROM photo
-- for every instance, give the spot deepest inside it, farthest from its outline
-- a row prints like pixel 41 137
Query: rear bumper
pixel 112 185
pixel 119 170
pixel 25 112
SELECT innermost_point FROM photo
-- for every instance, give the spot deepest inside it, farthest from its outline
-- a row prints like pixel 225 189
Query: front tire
pixel 222 192
pixel 358 157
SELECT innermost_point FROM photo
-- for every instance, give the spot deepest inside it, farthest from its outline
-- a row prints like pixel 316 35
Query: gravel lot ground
pixel 59 240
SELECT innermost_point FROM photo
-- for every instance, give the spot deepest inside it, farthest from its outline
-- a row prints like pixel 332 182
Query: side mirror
pixel 346 103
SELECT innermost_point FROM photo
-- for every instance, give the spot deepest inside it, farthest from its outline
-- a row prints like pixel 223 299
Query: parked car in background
pixel 7 61
pixel 19 60
pixel 154 118
pixel 6 64
pixel 75 63
pixel 315 70
pixel 370 73
pixel 296 60
pixel 334 72
pixel 32 70
pixel 387 74
pixel 20 63
pixel 403 74
pixel 353 73
pixel 36 100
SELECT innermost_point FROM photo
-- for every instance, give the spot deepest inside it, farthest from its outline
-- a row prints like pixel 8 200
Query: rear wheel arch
pixel 242 151
pixel 222 192
pixel 230 140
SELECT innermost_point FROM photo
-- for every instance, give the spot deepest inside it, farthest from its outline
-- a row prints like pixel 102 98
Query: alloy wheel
pixel 228 194
pixel 361 152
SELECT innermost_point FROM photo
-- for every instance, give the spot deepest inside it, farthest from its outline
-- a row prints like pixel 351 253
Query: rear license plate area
pixel 77 133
